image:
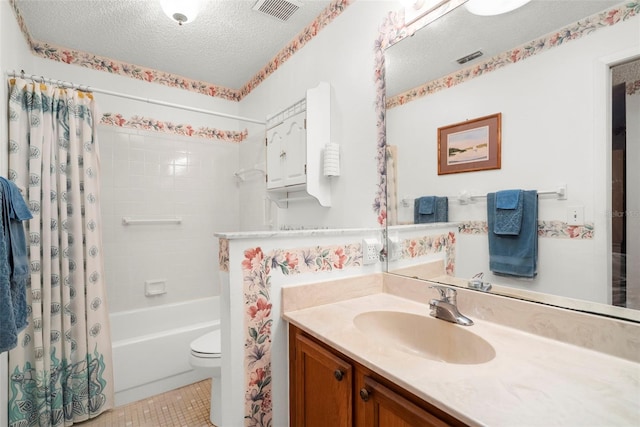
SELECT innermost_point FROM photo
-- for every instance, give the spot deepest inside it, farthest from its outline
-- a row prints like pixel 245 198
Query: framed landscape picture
pixel 472 145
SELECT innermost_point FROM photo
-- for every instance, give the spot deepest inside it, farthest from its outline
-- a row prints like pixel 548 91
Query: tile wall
pixel 147 175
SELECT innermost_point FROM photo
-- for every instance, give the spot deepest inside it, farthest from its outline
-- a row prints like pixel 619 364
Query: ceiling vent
pixel 281 9
pixel 470 57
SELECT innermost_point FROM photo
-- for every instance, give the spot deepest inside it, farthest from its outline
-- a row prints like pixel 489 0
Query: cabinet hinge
pixel 305 169
pixel 266 178
pixel 266 141
pixel 305 123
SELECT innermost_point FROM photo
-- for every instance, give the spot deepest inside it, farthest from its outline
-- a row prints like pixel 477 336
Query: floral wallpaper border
pixel 571 32
pixel 100 63
pixel 138 122
pixel 391 31
pixel 223 254
pixel 552 229
pixel 257 270
pixel 428 245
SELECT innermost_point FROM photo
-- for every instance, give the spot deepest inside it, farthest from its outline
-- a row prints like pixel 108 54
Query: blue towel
pixel 426 205
pixel 508 199
pixel 430 209
pixel 18 209
pixel 508 214
pixel 8 330
pixel 515 255
pixel 14 265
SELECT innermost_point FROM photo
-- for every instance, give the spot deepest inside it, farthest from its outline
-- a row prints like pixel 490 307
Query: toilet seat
pixel 207 346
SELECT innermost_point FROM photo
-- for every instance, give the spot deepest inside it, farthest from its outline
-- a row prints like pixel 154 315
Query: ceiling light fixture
pixel 493 7
pixel 181 11
pixel 416 9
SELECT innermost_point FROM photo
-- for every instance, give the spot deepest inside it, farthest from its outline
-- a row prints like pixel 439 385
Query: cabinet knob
pixel 283 154
pixel 338 374
pixel 364 394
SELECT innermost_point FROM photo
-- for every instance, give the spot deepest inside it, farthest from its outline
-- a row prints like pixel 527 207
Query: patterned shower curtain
pixel 60 373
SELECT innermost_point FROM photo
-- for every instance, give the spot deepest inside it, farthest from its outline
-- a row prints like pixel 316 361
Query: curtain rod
pixel 36 78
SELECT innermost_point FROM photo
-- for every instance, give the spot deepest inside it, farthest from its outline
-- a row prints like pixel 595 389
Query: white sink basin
pixel 425 336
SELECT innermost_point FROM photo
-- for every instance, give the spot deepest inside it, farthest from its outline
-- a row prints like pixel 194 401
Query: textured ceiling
pixel 226 45
pixel 626 73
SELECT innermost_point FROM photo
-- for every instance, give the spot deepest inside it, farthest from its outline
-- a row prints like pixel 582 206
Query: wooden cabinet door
pixel 322 387
pixel 385 408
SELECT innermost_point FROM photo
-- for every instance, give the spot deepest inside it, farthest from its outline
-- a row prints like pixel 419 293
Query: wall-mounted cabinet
pixel 295 140
pixel 287 153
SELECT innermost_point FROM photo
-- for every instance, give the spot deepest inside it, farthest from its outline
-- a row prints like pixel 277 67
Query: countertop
pixel 532 381
pixel 238 235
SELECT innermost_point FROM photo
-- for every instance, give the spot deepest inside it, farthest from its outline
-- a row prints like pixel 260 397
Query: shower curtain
pixel 60 373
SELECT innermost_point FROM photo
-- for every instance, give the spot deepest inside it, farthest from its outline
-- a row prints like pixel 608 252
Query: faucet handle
pixel 446 293
pixel 452 296
pixel 441 289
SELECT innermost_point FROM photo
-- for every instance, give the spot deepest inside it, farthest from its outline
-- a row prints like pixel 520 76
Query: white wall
pixel 137 182
pixel 256 212
pixel 343 55
pixel 546 141
pixel 338 54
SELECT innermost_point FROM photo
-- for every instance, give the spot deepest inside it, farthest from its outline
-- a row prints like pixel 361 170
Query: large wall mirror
pixel 561 76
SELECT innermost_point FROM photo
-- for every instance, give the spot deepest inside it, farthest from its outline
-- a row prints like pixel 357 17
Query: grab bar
pixel 130 221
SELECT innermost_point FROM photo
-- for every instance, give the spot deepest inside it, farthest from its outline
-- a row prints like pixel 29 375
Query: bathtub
pixel 151 347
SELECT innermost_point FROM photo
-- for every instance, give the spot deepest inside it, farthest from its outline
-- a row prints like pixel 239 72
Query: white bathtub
pixel 151 347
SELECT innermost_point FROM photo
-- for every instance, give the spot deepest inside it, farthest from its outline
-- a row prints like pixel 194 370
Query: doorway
pixel 625 179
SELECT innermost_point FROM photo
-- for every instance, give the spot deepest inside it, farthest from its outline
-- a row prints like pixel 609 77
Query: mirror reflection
pixel 561 77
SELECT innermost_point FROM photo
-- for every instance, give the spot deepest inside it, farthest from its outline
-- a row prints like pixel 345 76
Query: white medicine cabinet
pixel 295 140
pixel 287 152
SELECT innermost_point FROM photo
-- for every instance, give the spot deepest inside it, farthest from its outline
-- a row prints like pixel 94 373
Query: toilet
pixel 205 354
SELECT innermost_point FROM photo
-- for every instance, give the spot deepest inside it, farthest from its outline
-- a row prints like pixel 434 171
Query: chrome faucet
pixel 445 308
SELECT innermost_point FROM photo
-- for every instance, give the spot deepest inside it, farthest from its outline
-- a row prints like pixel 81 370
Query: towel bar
pixel 464 198
pixel 560 192
pixel 243 174
pixel 130 221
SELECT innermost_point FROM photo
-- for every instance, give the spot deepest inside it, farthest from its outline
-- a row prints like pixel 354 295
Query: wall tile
pixel 146 175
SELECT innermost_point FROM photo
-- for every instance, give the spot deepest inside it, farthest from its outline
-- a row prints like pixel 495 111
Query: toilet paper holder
pixel 331 159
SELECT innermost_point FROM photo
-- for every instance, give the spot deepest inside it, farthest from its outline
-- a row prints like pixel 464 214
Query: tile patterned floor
pixel 184 407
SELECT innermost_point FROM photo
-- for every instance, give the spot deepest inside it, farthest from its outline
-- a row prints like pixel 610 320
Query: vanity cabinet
pixel 329 389
pixel 384 407
pixel 322 386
